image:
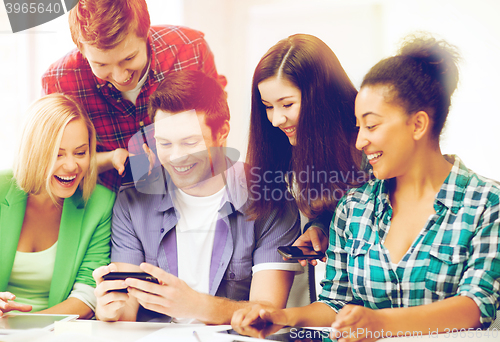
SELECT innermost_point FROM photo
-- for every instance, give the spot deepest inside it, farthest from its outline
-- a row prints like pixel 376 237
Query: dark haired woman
pixel 302 133
pixel 416 249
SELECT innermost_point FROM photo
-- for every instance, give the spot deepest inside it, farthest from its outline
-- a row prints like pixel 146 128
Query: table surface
pixel 96 331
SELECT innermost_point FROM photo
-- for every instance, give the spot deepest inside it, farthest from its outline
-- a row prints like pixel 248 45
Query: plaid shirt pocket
pixel 446 267
pixel 358 265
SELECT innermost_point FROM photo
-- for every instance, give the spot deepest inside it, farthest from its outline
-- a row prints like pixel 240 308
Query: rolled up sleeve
pixel 337 291
pixel 481 279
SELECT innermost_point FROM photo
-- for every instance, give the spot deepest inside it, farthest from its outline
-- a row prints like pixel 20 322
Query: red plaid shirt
pixel 116 120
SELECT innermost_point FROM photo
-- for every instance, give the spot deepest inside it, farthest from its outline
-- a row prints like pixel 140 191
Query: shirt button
pixel 162 230
pixel 231 275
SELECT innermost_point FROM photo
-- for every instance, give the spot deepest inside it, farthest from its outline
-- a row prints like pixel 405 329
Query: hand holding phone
pixel 299 252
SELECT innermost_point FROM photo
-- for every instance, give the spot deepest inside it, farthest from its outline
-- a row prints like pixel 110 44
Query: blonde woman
pixel 54 220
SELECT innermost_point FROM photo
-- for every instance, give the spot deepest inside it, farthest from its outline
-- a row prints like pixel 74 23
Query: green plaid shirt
pixel 458 252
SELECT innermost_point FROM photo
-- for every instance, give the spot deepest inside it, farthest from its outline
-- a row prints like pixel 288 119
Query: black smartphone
pixel 124 275
pixel 299 252
pixel 136 167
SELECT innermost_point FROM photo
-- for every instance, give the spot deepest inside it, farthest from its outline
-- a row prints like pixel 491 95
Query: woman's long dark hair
pixel 325 136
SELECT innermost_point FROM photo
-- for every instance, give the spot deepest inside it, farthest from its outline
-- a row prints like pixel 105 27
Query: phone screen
pixel 300 252
pixel 305 250
pixel 125 275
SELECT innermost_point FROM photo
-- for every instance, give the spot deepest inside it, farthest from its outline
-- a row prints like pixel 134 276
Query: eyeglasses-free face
pixel 282 101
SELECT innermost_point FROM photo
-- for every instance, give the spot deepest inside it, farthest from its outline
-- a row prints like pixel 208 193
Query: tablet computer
pixel 11 323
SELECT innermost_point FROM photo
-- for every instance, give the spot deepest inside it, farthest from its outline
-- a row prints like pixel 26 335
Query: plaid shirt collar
pixel 155 67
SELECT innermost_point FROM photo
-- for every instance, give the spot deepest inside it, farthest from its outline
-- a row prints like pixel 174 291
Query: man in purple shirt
pixel 189 226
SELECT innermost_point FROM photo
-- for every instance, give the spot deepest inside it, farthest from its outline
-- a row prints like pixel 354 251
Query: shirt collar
pixel 155 67
pixel 452 192
pixel 236 186
pixel 379 196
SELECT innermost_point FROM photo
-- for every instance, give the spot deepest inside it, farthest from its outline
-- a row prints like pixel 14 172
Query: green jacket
pixel 83 242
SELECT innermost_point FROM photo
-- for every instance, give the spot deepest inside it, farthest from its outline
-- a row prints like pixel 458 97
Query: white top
pixel 195 232
pixel 132 95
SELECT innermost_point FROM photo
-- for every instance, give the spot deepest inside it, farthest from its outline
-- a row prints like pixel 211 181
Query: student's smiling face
pixel 73 160
pixel 282 101
pixel 123 66
pixel 183 143
pixel 385 133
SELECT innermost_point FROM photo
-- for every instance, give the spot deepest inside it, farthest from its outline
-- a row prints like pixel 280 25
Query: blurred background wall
pixel 239 32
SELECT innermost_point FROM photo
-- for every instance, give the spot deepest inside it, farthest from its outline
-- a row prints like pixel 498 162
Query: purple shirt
pixel 143 230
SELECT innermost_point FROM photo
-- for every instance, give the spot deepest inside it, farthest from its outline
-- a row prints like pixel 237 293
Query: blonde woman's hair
pixel 40 141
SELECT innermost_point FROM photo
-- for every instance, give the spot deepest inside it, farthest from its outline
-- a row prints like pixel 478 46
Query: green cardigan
pixel 83 242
